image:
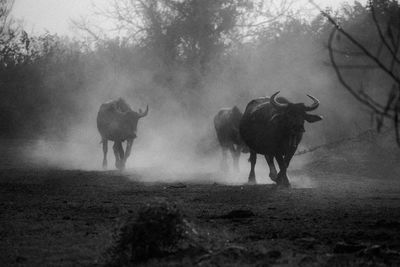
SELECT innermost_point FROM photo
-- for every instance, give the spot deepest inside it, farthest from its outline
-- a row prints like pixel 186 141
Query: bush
pixel 155 232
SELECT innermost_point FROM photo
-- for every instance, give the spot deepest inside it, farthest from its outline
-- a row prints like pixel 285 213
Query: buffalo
pixel 274 127
pixel 226 124
pixel 117 122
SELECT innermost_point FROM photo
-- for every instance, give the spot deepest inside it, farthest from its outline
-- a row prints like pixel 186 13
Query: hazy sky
pixel 55 15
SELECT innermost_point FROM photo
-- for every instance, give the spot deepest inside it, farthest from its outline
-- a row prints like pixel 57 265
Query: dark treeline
pixel 189 56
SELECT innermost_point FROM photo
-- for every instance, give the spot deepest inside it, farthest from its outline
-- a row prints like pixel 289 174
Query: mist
pixel 178 64
pixel 177 138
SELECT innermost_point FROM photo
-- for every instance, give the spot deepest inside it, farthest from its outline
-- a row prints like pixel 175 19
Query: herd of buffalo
pixel 271 126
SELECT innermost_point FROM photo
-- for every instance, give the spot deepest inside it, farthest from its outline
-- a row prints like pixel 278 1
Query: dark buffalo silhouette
pixel 226 124
pixel 117 122
pixel 274 127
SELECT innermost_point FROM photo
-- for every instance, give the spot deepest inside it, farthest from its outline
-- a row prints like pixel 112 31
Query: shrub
pixel 155 232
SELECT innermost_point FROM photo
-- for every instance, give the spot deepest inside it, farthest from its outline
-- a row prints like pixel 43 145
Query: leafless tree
pixel 8 29
pixel 257 19
pixel 137 19
pixel 381 53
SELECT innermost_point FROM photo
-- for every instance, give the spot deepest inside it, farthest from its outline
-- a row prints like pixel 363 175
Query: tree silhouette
pixel 370 52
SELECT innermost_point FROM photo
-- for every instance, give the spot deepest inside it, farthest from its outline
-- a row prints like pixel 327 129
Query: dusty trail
pixel 57 217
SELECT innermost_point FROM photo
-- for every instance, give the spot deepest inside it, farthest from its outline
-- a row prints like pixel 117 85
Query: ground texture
pixel 350 216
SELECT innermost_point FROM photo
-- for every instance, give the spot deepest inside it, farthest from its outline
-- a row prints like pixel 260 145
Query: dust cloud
pixel 176 140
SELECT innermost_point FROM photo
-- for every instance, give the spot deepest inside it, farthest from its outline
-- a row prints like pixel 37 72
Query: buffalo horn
pixel 314 105
pixel 142 114
pixel 277 104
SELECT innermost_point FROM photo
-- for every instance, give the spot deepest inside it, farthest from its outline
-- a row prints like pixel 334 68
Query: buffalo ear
pixel 312 118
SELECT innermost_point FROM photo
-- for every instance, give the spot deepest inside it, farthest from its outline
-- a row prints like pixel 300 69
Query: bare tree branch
pixel 345 84
pixel 382 37
pixel 392 108
pixel 348 53
pixel 353 66
pixel 357 44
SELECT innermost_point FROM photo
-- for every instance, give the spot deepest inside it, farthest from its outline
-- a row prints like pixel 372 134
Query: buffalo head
pixel 129 119
pixel 291 117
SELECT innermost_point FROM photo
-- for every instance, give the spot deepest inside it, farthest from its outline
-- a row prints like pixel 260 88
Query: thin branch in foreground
pixel 356 43
pixel 345 84
pixel 348 53
pixel 382 37
pixel 355 66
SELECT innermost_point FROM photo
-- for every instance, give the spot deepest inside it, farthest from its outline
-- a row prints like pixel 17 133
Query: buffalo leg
pixel 121 155
pixel 288 158
pixel 224 164
pixel 282 178
pixel 235 156
pixel 128 150
pixel 272 169
pixel 105 150
pixel 253 160
pixel 117 155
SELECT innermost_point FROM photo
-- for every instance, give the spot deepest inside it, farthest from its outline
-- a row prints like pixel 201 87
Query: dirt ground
pixel 350 216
